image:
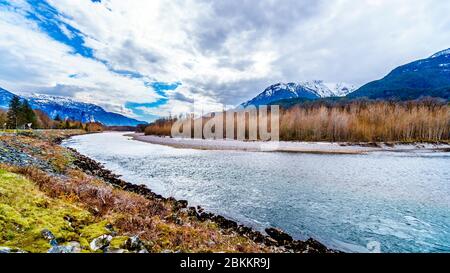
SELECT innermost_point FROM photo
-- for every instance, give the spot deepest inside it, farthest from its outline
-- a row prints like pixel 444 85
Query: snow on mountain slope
pixel 326 90
pixel 68 108
pixel 428 77
pixel 85 112
pixel 307 90
pixel 340 89
pixel 441 53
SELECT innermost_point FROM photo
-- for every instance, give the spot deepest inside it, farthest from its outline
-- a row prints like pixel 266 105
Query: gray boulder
pixel 61 249
pixel 100 243
pixel 4 250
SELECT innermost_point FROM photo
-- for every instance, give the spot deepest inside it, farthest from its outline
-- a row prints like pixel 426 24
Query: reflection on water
pixel 401 200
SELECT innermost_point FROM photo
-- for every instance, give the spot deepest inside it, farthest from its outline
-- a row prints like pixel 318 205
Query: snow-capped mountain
pixel 429 77
pixel 326 90
pixel 306 90
pixel 85 112
pixel 65 108
pixel 444 52
pixel 341 89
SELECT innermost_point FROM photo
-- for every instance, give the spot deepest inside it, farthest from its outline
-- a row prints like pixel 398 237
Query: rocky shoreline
pixel 275 238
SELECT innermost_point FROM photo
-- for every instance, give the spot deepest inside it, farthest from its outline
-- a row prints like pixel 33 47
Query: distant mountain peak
pixel 44 98
pixel 307 89
pixel 64 101
pixel 428 77
pixel 326 90
pixel 39 96
pixel 68 108
pixel 441 53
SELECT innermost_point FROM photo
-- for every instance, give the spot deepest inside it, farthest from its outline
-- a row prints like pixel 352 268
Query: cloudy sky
pixel 150 58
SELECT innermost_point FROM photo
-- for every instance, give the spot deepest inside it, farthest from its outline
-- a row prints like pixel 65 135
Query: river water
pixel 388 201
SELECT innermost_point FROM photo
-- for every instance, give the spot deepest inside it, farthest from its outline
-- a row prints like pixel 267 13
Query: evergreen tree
pixel 27 114
pixel 13 115
pixel 20 114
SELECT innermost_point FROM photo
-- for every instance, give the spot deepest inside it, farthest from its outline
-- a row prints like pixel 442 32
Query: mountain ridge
pixel 428 77
pixel 303 90
pixel 69 108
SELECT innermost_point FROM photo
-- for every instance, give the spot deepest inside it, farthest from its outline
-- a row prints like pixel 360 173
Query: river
pixel 391 201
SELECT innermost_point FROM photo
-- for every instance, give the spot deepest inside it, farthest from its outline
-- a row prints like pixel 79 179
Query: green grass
pixel 25 211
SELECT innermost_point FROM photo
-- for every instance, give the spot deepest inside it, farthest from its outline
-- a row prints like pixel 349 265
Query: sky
pixel 147 59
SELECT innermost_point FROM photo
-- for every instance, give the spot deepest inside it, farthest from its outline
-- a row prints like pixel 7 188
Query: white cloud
pixel 33 62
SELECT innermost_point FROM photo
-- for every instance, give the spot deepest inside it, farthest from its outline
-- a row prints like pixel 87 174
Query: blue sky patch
pixel 160 88
pixel 49 20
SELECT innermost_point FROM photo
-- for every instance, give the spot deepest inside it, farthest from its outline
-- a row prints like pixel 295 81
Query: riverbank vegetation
pixel 354 121
pixel 26 211
pixel 367 122
pixel 161 127
pixel 47 203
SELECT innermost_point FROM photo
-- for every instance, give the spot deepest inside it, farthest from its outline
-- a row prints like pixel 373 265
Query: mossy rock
pixel 118 242
pixel 95 230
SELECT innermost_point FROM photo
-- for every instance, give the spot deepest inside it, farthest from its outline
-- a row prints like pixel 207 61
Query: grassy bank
pixel 26 211
pixel 47 203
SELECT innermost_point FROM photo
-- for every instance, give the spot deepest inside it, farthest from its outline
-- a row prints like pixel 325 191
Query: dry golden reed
pixel 357 121
pixel 362 121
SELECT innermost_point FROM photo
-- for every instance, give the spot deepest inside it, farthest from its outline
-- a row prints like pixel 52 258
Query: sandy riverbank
pixel 286 146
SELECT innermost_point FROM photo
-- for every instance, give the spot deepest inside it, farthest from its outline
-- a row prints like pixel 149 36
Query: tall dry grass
pixel 356 121
pixel 161 127
pixel 362 121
